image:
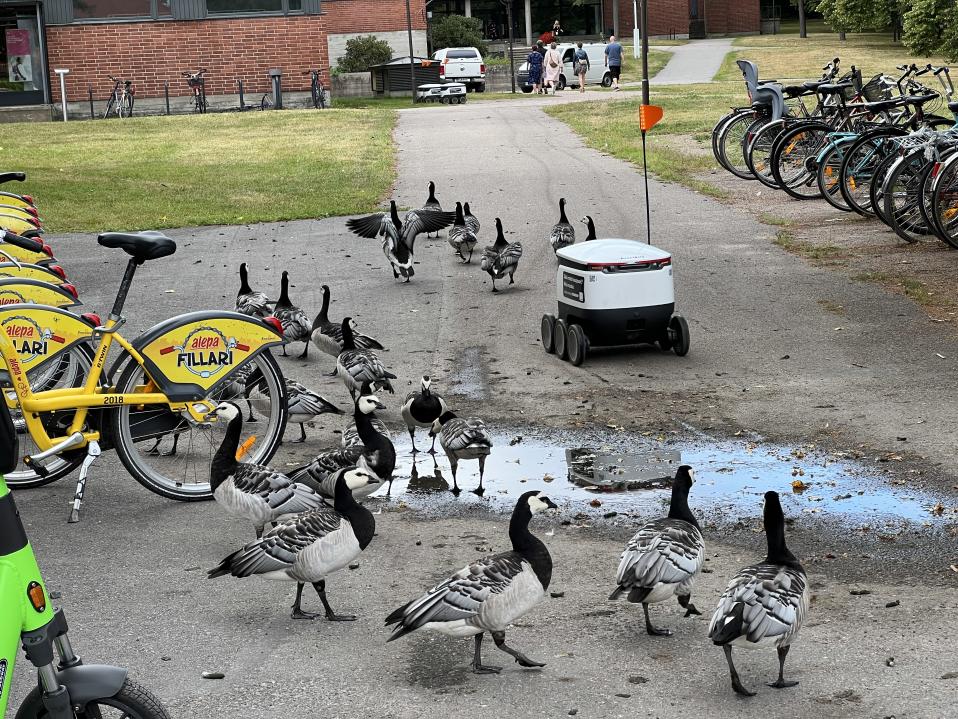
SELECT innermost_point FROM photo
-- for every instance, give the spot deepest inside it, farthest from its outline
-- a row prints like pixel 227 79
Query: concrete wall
pixel 398 41
pixel 352 84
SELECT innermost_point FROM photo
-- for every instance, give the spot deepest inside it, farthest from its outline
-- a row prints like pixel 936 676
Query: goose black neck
pixel 224 461
pixel 364 427
pixel 432 192
pixel 778 552
pixel 349 342
pixel 322 316
pixel 591 226
pixel 460 218
pixel 528 545
pixel 562 218
pixel 359 518
pixel 394 214
pixel 245 289
pixel 500 237
pixel 283 300
pixel 679 507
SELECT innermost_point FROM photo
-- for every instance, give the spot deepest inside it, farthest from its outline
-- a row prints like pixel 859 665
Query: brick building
pixel 586 18
pixel 154 41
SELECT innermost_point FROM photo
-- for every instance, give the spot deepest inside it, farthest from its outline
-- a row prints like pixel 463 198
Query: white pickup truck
pixel 462 64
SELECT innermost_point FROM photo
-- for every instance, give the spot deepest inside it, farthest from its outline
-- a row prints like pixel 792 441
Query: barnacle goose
pixel 328 336
pixel 563 233
pixel 587 221
pixel 375 451
pixel 765 603
pixel 664 556
pixel 421 409
pixel 463 438
pixel 303 404
pixel 296 326
pixel 399 237
pixel 350 436
pixel 472 222
pixel 249 302
pixel 253 491
pixel 488 594
pixel 310 546
pixel 431 202
pixel 502 258
pixel 461 238
pixel 356 367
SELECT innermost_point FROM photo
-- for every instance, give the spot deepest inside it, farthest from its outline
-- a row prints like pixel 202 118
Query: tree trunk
pixel 802 26
pixel 841 35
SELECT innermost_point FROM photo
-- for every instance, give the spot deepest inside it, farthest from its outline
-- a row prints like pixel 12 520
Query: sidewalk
pixel 698 61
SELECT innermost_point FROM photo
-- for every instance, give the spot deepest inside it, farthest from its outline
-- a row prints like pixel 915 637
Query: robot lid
pixel 600 254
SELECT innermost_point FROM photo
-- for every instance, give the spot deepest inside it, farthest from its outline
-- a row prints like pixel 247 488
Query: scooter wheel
pixel 679 334
pixel 548 324
pixel 559 338
pixel 577 345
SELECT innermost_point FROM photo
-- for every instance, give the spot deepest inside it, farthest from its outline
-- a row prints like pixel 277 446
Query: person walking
pixel 552 67
pixel 556 30
pixel 535 69
pixel 580 65
pixel 613 61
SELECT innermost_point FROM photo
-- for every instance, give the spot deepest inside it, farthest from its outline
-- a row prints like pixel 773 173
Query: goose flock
pixel 312 521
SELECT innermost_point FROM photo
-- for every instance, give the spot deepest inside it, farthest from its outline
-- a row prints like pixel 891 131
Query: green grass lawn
pixel 159 172
pixel 676 145
pixel 787 56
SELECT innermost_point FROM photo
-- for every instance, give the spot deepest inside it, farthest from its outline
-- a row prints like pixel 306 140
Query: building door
pixel 22 68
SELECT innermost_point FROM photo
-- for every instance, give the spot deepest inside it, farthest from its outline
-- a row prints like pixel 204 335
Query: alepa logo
pixel 28 338
pixel 205 352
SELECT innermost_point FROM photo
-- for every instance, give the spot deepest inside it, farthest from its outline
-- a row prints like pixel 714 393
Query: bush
pixel 458 31
pixel 364 52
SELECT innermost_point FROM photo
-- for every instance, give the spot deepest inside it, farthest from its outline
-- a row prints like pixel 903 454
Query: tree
pixel 860 15
pixel 931 27
pixel 458 31
pixel 364 52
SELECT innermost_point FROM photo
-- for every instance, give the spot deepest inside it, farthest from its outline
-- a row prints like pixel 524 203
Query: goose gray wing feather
pixel 509 257
pixel 306 402
pixel 282 494
pixel 459 433
pixel 278 549
pixel 664 551
pixel 461 596
pixel 253 304
pixel 296 325
pixel 418 221
pixel 368 226
pixel 775 600
pixel 324 464
pixel 563 235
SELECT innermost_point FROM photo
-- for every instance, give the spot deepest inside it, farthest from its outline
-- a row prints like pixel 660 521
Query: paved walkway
pixel 698 61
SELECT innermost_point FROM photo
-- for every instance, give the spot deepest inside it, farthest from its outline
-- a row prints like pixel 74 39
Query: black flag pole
pixel 645 101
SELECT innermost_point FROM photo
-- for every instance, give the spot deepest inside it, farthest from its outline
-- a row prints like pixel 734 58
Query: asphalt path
pixel 131 574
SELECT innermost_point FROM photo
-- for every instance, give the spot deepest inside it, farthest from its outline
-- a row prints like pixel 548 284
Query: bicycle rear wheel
pixel 944 202
pixel 169 455
pixel 828 173
pixel 793 159
pixel 717 131
pixel 858 167
pixel 730 145
pixel 266 103
pixel 876 191
pixel 317 96
pixel 68 369
pixel 760 141
pixel 901 194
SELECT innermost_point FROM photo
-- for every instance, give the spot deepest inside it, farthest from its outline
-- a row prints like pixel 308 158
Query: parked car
pixel 462 64
pixel 598 73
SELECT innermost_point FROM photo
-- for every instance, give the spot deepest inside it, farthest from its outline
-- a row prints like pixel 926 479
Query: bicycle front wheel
pixel 68 369
pixel 266 103
pixel 171 456
pixel 131 702
pixel 902 196
pixel 794 159
pixel 316 95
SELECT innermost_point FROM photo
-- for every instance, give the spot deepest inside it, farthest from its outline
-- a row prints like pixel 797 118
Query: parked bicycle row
pixel 121 100
pixel 880 148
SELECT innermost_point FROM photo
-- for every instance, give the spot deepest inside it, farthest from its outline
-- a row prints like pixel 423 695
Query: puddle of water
pixel 730 479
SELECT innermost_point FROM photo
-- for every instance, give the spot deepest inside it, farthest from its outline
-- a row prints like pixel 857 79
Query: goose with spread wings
pixel 399 237
pixel 765 604
pixel 489 594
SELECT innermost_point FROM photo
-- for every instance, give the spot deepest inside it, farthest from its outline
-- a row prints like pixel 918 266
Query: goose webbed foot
pixel 780 683
pixel 155 449
pixel 298 612
pixel 305 354
pixel 651 629
pixel 521 659
pixel 736 682
pixel 479 491
pixel 302 435
pixel 331 616
pixel 477 666
pixel 685 601
pixel 284 351
pixel 334 373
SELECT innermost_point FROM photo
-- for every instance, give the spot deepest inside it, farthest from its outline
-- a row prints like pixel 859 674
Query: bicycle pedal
pixel 37 467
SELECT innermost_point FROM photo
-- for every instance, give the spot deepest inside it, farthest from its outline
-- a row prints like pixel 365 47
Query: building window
pixel 226 7
pixel 87 9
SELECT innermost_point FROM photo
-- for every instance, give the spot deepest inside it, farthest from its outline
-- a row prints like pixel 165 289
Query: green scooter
pixel 67 688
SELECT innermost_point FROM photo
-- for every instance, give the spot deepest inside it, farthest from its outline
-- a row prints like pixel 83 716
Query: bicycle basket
pixel 878 88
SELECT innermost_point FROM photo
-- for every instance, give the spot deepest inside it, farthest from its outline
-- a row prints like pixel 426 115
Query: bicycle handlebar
pixel 317 71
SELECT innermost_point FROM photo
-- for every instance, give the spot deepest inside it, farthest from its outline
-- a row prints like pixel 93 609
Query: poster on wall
pixel 19 60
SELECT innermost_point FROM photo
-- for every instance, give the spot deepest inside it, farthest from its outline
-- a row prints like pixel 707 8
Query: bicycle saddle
pixel 141 246
pixel 833 88
pixel 12 177
pixel 814 84
pixel 953 106
pixel 795 90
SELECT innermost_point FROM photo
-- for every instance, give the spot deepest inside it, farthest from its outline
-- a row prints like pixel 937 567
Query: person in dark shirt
pixel 613 61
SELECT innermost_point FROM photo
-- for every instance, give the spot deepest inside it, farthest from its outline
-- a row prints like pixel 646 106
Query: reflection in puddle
pixel 731 478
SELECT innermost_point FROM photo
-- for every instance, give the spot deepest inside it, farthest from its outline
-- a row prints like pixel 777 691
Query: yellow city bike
pixel 17 248
pixel 158 412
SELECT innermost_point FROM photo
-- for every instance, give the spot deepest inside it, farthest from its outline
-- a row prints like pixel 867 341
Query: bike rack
pixel 276 77
pixel 241 99
pixel 166 94
pixel 92 112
